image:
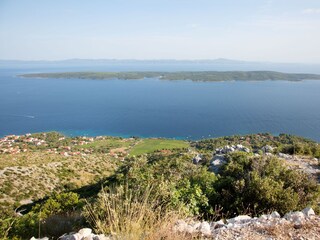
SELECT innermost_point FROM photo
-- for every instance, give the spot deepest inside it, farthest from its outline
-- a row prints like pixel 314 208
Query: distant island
pixel 206 76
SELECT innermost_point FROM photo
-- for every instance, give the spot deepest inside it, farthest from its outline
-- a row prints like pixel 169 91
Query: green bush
pixel 31 223
pixel 175 178
pixel 257 185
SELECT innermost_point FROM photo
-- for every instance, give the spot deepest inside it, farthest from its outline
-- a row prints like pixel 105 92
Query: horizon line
pixel 156 59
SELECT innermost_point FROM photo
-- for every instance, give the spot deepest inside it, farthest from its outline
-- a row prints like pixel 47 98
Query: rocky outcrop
pixel 267 149
pixel 219 156
pixel 293 225
pixel 216 162
pixel 197 159
pixel 232 228
pixel 228 149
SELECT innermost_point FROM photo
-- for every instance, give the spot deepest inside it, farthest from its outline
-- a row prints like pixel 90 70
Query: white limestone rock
pixel 75 236
pixel 264 217
pixel 240 219
pixel 216 162
pixel 85 232
pixel 197 159
pixel 295 216
pixel 275 214
pixel 267 149
pixel 205 228
pixel 308 211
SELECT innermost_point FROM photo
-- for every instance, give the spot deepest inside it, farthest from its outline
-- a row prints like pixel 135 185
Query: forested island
pixel 206 76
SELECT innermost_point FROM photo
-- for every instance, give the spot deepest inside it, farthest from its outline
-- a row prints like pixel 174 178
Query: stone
pixel 294 216
pixel 75 236
pixel 197 159
pixel 218 224
pixel 308 211
pixel 219 158
pixel 205 228
pixel 264 217
pixel 267 149
pixel 85 232
pixel 247 150
pixel 216 162
pixel 230 225
pixel 297 226
pixel 275 214
pixel 240 219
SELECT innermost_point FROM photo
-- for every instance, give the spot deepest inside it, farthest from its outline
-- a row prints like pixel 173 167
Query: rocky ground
pixel 300 225
pixel 294 225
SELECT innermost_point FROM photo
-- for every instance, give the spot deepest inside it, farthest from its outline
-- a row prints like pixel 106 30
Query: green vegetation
pixel 137 188
pixel 151 145
pixel 257 185
pixel 210 76
pixel 283 143
pixel 61 207
pixel 174 177
pixel 106 144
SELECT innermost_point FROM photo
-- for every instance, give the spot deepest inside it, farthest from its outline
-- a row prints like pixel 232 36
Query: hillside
pixel 51 180
pixel 206 76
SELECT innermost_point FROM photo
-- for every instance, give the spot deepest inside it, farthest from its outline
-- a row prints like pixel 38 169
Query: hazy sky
pixel 260 30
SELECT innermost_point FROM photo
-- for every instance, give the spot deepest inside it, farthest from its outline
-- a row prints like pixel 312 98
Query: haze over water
pixel 155 108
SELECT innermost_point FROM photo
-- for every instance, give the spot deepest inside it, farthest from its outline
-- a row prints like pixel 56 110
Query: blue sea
pixel 153 107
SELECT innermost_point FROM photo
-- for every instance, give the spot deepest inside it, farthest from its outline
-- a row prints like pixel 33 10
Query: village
pixel 14 144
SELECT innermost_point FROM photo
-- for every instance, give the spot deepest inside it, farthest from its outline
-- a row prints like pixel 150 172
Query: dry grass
pixel 133 215
pixel 23 182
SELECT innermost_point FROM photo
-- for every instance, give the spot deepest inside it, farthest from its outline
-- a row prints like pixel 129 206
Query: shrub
pixel 5 226
pixel 175 179
pixel 258 185
pixel 61 205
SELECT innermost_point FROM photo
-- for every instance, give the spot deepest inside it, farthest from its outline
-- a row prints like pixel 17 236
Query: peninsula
pixel 206 76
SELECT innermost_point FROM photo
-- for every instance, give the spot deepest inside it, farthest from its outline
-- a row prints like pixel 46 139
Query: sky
pixel 253 30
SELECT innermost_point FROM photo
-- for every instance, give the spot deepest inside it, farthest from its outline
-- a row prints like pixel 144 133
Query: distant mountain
pixel 108 61
pixel 220 64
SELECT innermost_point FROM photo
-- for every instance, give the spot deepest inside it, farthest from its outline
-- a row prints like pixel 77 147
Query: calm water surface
pixel 155 108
